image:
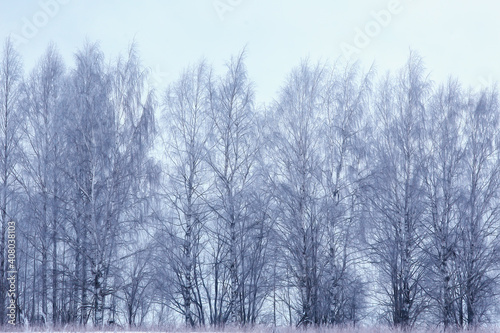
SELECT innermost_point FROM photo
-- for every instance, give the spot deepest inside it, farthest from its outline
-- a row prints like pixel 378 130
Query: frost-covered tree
pixel 479 209
pixel 186 117
pixel 396 192
pixel 110 130
pixel 345 166
pixel 231 158
pixel 295 176
pixel 42 176
pixel 333 199
pixel 10 148
pixel 444 165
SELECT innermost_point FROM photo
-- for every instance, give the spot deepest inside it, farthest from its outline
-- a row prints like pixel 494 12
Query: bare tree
pixel 90 135
pixel 296 178
pixel 479 213
pixel 240 215
pixel 133 184
pixel 110 135
pixel 41 104
pixel 10 125
pixel 231 159
pixel 187 106
pixel 344 168
pixel 444 150
pixel 396 194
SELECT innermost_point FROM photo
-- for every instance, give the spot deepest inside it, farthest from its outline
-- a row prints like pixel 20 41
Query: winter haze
pixel 248 164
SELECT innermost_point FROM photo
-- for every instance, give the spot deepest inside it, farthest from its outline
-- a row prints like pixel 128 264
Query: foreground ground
pixel 68 329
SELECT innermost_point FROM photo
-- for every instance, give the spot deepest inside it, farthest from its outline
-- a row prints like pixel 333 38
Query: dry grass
pixel 374 329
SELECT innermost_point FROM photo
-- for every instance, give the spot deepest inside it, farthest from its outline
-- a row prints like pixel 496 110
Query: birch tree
pixel 187 107
pixel 231 159
pixel 445 149
pixel 41 104
pixel 90 140
pixel 10 130
pixel 110 135
pixel 345 166
pixel 479 213
pixel 296 178
pixel 396 195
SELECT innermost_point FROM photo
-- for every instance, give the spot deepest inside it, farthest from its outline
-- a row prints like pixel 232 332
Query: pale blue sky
pixel 455 37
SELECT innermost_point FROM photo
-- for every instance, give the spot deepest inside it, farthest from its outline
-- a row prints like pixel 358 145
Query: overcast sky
pixel 455 37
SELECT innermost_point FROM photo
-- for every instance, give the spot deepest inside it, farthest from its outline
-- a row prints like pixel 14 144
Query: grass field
pixel 378 329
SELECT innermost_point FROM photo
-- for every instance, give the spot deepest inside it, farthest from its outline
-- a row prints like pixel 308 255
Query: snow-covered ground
pixel 375 329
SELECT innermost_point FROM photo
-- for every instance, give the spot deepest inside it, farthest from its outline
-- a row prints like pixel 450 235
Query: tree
pixel 344 169
pixel 133 183
pixel 90 138
pixel 479 214
pixel 110 135
pixel 396 192
pixel 317 163
pixel 231 159
pixel 296 180
pixel 187 107
pixel 293 213
pixel 138 285
pixel 10 125
pixel 42 176
pixel 444 167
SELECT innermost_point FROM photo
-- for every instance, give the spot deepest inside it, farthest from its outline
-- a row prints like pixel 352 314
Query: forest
pixel 355 197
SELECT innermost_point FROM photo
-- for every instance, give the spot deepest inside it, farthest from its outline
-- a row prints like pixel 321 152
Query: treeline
pixel 352 196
